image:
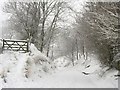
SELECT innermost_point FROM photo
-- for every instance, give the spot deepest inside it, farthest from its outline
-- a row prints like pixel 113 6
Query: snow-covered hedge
pixel 37 55
pixel 36 62
pixel 117 57
pixel 116 61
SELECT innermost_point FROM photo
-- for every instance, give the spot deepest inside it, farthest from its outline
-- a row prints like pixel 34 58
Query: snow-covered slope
pixel 34 70
pixel 15 67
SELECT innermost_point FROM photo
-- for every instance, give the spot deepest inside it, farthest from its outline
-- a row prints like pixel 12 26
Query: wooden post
pixel 3 46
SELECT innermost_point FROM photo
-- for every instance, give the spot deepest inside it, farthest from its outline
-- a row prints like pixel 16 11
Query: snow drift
pixel 15 65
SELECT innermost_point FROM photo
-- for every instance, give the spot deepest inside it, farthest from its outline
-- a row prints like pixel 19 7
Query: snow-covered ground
pixel 35 70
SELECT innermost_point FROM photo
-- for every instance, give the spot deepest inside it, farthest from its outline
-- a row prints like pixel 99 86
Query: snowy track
pixel 67 78
pixel 72 78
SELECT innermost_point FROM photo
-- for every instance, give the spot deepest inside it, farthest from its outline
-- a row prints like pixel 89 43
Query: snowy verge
pixel 16 66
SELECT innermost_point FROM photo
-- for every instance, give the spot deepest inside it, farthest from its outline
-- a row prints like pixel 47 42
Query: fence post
pixel 3 46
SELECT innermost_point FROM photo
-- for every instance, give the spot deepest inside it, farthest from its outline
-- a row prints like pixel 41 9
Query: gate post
pixel 3 46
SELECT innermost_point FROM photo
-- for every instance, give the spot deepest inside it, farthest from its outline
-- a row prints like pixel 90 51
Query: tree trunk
pixel 86 55
pixel 72 56
pixel 43 25
pixel 48 49
pixel 77 49
pixel 42 39
pixel 72 59
pixel 84 51
pixel 52 54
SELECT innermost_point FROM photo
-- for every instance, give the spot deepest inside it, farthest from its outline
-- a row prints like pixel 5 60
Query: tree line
pixel 99 25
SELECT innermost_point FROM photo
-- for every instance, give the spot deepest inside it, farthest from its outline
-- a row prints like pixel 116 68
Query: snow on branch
pixel 111 13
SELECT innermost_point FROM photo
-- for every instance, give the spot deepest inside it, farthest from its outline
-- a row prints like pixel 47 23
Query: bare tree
pixel 35 20
pixel 27 15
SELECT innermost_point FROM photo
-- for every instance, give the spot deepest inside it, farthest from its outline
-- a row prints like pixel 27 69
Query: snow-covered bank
pixel 15 67
pixel 35 70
